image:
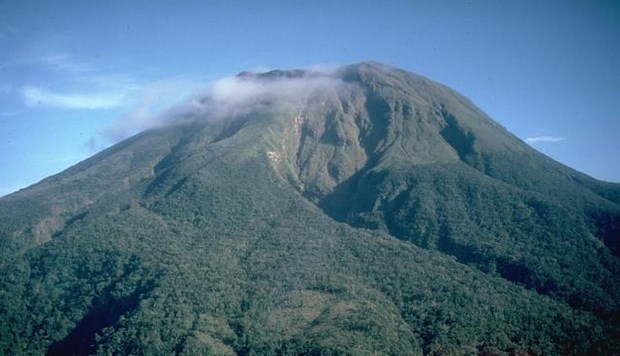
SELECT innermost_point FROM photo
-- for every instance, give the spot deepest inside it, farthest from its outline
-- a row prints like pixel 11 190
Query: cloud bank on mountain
pixel 225 98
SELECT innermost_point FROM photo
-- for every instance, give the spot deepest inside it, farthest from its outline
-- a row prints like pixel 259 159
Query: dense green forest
pixel 386 215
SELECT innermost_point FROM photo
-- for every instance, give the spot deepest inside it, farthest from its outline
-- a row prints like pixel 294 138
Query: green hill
pixel 362 211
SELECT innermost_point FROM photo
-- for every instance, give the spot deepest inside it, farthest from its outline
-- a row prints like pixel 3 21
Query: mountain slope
pixel 419 161
pixel 377 212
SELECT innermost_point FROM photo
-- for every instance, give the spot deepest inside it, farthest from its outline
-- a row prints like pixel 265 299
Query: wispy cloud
pixel 68 69
pixel 8 113
pixel 173 100
pixel 65 62
pixel 538 139
pixel 76 83
pixel 233 96
pixel 177 99
pixel 35 96
pixel 152 103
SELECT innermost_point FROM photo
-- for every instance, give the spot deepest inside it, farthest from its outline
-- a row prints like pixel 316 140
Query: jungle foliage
pixel 390 217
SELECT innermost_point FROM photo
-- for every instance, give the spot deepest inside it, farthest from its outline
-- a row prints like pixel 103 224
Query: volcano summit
pixel 362 210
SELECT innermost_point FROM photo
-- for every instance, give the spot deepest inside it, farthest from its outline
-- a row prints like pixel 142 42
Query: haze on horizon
pixel 72 73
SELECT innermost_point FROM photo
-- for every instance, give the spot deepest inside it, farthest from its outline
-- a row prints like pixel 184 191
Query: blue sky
pixel 77 76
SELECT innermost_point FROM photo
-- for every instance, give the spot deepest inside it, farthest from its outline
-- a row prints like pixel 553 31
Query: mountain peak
pixel 342 72
pixel 275 74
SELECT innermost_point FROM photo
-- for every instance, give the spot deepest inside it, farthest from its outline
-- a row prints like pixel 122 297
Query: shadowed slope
pixel 410 157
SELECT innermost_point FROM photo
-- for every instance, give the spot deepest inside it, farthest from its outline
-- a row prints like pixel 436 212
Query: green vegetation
pixel 392 217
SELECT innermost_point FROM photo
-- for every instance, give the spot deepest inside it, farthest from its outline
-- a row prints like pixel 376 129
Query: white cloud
pixel 176 99
pixel 538 139
pixel 78 84
pixel 233 96
pixel 65 62
pixel 152 105
pixel 39 97
pixel 8 113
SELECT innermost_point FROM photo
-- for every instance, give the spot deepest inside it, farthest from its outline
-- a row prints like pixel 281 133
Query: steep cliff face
pixel 361 210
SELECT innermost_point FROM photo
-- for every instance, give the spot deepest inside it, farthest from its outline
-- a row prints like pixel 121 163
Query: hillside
pixel 364 210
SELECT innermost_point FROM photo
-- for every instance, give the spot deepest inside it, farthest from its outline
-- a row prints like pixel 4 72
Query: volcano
pixel 361 210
